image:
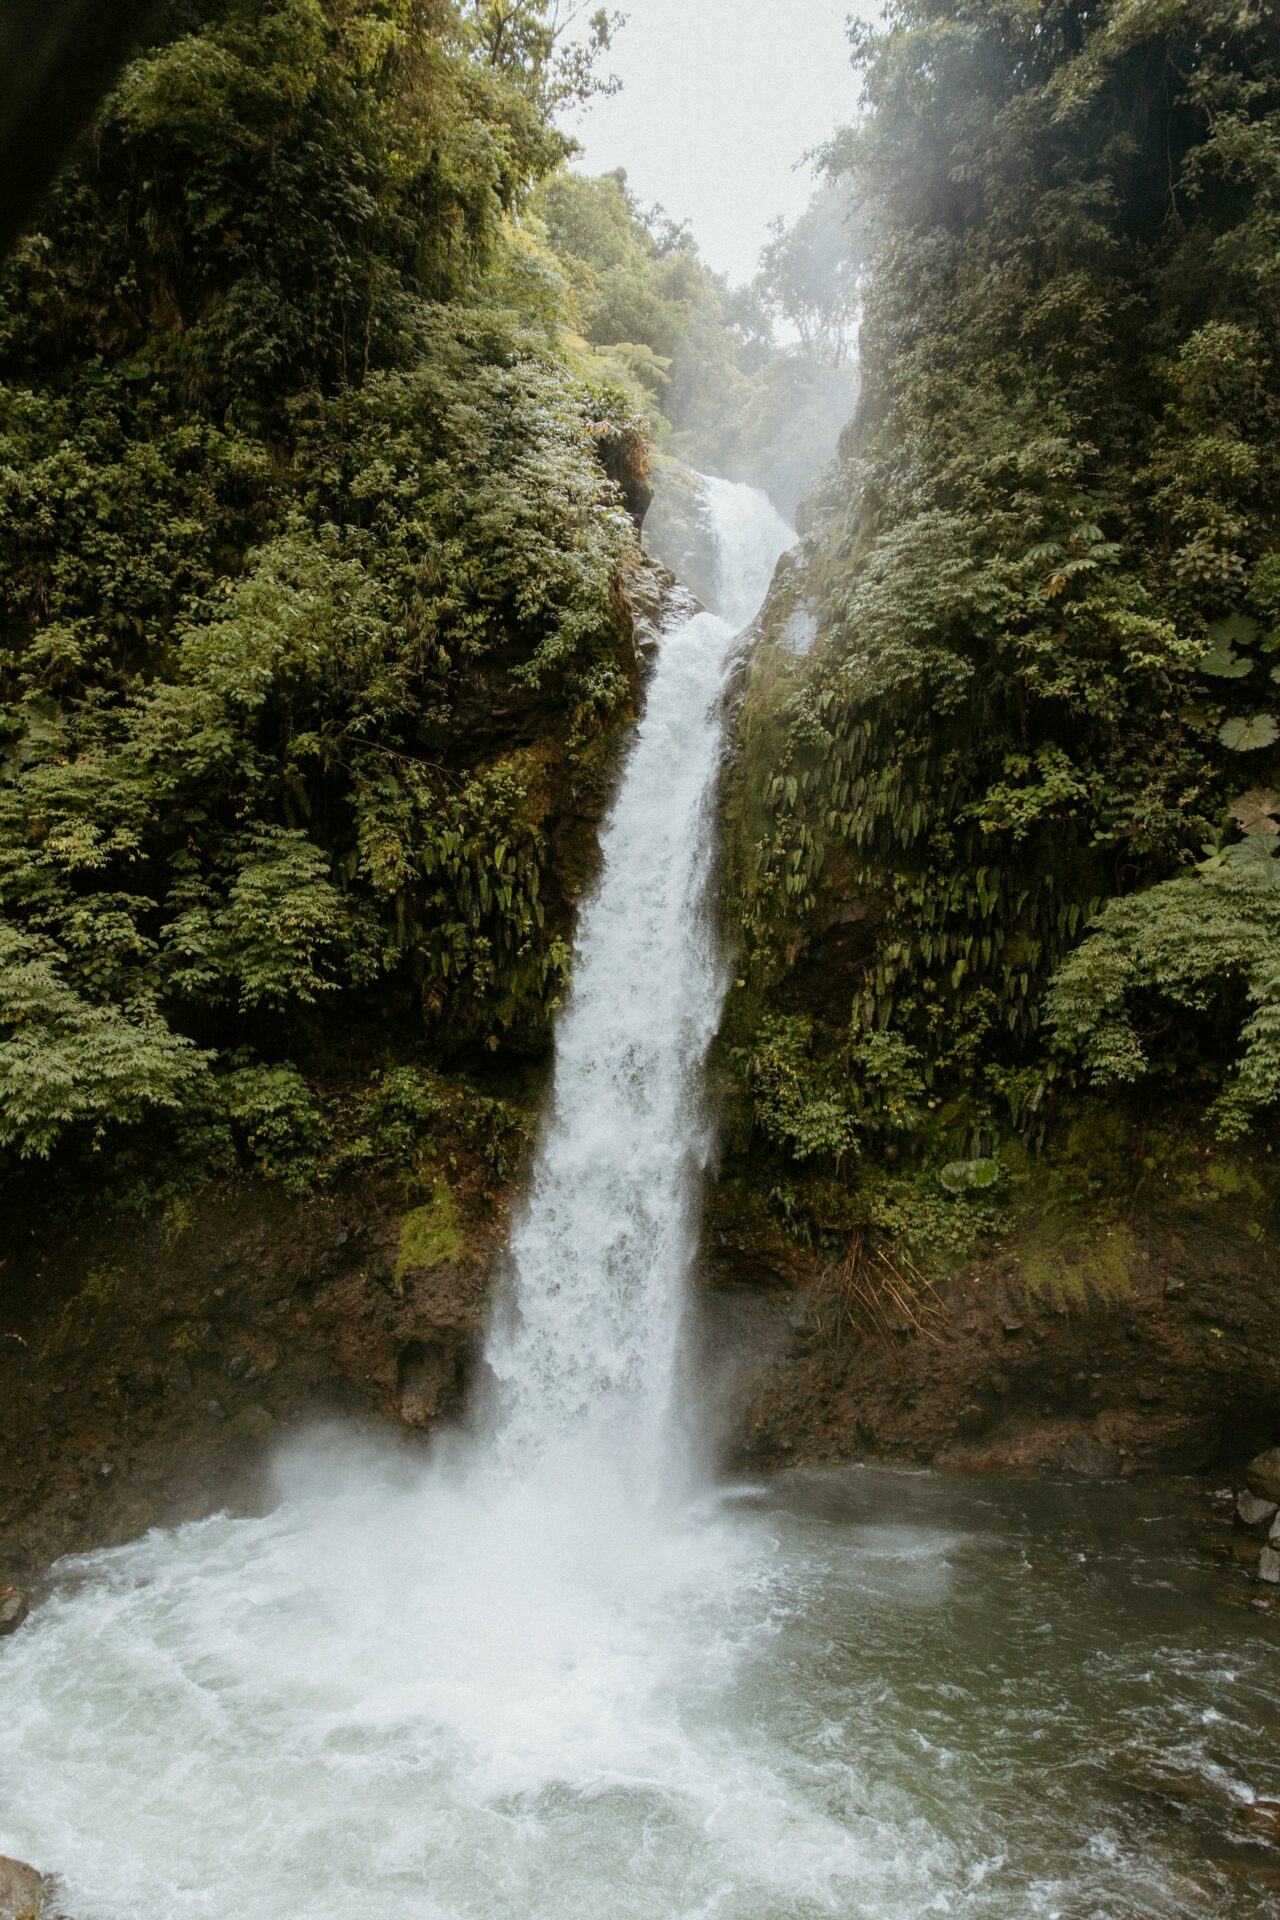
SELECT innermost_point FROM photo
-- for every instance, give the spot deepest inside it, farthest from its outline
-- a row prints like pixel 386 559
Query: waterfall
pixel 750 537
pixel 511 1678
pixel 463 1687
pixel 585 1349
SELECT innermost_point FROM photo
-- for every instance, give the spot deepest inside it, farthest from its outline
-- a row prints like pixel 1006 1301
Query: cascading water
pixel 518 1683
pixel 586 1351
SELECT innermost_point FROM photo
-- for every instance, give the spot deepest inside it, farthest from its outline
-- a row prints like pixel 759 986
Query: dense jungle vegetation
pixel 319 373
pixel 325 388
pixel 1008 832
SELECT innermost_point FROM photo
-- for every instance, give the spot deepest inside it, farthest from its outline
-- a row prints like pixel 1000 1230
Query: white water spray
pixel 501 1622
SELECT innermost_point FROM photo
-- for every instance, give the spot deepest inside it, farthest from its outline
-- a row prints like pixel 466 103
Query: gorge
pixel 551 1665
pixel 639 1026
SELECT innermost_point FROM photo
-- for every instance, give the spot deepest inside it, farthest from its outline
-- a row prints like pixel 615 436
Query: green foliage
pixel 309 561
pixel 969 1176
pixel 527 41
pixel 697 358
pixel 404 1108
pixel 1220 660
pixel 793 1107
pixel 1044 566
pixel 277 1119
pixel 68 1061
pixel 502 1131
pixel 1249 735
pixel 809 273
pixel 1205 945
pixel 824 1110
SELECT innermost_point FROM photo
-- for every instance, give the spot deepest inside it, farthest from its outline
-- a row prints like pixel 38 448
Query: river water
pixel 855 1693
pixel 554 1671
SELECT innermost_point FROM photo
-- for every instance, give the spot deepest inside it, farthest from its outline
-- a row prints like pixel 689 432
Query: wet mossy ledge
pixel 1107 1307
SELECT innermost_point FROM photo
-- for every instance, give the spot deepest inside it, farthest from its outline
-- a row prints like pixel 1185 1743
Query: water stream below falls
pixel 553 1672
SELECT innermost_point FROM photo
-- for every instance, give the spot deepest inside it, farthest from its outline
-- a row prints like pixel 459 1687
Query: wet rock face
pixel 15 1605
pixel 657 603
pixel 263 1317
pixel 1261 1818
pixel 1177 1371
pixel 24 1893
pixel 678 530
pixel 1263 1476
pixel 429 1381
pixel 1084 1454
pixel 625 458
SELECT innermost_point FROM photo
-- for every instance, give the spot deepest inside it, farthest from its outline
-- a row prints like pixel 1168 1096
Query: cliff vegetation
pixel 326 401
pixel 1005 825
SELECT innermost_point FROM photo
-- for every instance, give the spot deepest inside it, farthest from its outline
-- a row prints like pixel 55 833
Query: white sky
pixel 720 100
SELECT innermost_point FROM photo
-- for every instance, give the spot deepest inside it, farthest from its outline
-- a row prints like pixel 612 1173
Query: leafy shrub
pixel 1205 945
pixel 404 1106
pixel 278 1120
pixel 71 1065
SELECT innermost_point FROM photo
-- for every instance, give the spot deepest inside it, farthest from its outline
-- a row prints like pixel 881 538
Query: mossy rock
pixel 1070 1261
pixel 431 1236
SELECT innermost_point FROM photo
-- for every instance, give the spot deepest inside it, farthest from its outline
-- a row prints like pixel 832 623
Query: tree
pixel 809 274
pixel 532 43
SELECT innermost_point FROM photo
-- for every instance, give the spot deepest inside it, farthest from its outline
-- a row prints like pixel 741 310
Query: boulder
pixel 428 1382
pixel 1085 1454
pixel 24 1893
pixel 251 1423
pixel 1263 1476
pixel 1255 1512
pixel 1269 1566
pixel 14 1608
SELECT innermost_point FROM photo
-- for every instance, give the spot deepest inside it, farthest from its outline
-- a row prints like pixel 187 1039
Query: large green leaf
pixel 1256 856
pixel 969 1176
pixel 1256 811
pixel 1236 630
pixel 1246 736
pixel 1223 664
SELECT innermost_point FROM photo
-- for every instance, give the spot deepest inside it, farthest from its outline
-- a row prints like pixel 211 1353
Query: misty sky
pixel 720 100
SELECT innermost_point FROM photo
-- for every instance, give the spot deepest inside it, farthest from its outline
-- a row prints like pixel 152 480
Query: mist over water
pixel 549 1672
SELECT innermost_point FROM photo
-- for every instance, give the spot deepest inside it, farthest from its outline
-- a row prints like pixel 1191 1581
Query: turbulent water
pixel 552 1673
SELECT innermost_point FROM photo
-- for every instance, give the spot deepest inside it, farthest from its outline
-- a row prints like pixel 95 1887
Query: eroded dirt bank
pixel 1163 1358
pixel 147 1375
